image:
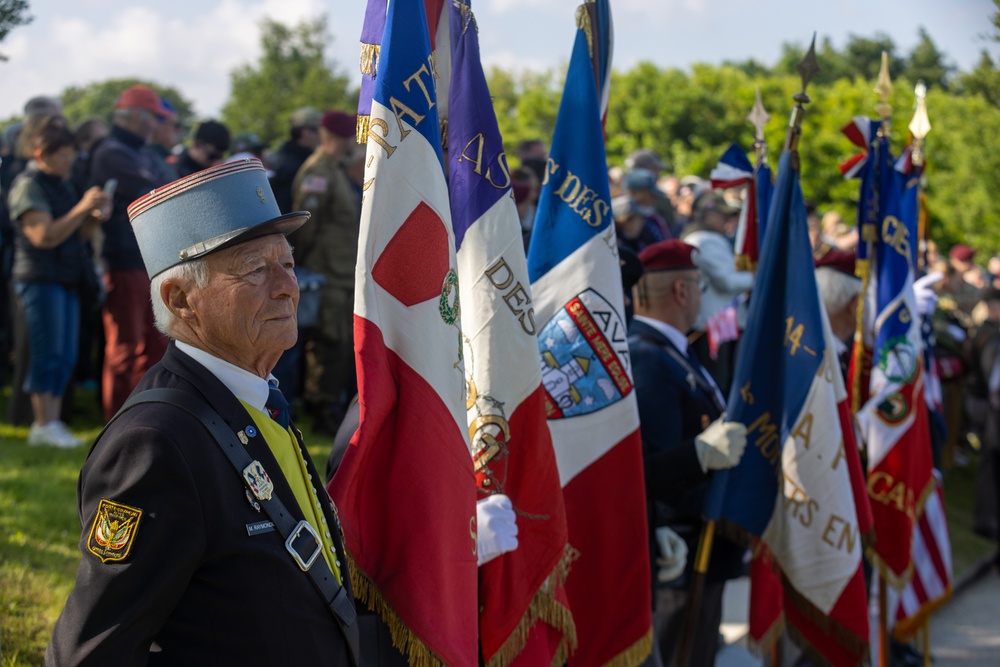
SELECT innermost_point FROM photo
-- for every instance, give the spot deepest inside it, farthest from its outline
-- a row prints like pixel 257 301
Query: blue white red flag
pixel 735 170
pixel 887 367
pixel 794 486
pixel 593 416
pixel 511 445
pixel 405 489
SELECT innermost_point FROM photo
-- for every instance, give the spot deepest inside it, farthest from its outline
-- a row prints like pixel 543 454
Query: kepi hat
pixel 207 211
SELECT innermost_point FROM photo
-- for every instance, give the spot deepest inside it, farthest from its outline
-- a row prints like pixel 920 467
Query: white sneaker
pixel 53 434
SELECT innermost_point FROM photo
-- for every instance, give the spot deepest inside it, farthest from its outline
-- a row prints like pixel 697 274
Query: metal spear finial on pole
pixel 758 117
pixel 920 124
pixel 808 69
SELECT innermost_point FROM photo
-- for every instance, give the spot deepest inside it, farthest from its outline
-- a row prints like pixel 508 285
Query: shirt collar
pixel 679 340
pixel 247 387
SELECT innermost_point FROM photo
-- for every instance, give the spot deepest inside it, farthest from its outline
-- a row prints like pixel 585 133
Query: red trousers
pixel 132 343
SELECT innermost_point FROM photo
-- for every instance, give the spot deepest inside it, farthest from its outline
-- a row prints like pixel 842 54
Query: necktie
pixel 276 405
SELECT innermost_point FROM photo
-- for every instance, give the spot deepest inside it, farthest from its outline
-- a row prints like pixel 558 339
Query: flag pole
pixel 884 89
pixel 808 68
pixel 758 117
pixel 919 126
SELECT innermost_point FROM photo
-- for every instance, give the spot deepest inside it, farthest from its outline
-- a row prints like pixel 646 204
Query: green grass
pixel 40 532
pixel 959 497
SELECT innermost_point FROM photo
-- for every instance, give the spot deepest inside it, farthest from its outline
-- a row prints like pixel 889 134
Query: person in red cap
pixel 132 343
pixel 329 247
pixel 839 289
pixel 684 438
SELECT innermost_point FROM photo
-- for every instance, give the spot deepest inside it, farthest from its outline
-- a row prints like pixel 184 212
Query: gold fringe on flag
pixel 417 653
pixel 444 134
pixel 369 59
pixel 544 607
pixel 635 654
pixel 361 130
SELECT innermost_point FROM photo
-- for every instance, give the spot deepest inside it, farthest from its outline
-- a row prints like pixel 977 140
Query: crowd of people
pixel 75 308
pixel 75 295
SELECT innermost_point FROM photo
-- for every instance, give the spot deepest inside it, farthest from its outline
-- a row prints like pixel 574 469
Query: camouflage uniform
pixel 329 245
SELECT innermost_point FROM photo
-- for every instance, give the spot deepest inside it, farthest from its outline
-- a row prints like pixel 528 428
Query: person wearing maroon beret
pixel 329 248
pixel 684 439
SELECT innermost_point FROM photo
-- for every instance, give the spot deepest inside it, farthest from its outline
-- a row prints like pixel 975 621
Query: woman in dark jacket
pixel 50 265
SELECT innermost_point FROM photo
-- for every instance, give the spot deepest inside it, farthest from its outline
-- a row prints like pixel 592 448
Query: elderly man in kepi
pixel 207 535
pixel 685 437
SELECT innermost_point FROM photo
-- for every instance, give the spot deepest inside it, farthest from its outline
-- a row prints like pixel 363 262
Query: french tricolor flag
pixel 798 488
pixel 406 490
pixel 590 402
pixel 524 615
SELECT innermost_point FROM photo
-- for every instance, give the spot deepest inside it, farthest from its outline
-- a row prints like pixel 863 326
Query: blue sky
pixel 194 44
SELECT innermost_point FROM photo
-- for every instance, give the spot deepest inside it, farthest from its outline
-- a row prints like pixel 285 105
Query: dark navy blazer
pixel 674 407
pixel 202 584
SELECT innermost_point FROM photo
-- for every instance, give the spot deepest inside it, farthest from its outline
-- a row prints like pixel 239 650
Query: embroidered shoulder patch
pixel 113 531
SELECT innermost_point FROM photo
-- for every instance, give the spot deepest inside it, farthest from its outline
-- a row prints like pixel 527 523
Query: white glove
pixel 721 445
pixel 673 554
pixel 497 524
pixel 927 298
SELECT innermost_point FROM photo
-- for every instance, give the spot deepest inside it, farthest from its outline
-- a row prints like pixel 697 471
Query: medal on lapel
pixel 258 481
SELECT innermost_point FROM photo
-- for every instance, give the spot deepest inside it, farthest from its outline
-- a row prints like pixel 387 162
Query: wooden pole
pixel 883 622
pixel 695 593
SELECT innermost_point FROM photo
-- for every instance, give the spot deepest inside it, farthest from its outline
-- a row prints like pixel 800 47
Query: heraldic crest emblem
pixel 584 357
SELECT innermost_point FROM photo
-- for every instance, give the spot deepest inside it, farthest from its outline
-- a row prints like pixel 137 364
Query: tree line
pixel 689 116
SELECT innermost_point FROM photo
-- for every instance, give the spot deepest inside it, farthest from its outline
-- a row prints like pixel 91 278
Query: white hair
pixel 836 288
pixel 195 270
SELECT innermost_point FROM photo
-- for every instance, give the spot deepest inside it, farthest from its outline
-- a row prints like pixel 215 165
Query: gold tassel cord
pixel 583 23
pixel 361 129
pixel 369 59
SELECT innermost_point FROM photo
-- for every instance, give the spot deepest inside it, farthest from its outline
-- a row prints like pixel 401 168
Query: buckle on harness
pixel 304 563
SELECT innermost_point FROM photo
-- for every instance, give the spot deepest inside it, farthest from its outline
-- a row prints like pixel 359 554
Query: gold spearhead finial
pixel 884 90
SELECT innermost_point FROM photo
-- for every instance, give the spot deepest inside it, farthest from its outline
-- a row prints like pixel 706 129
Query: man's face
pixel 246 313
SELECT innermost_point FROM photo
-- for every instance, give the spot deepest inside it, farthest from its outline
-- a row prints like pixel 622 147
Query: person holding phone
pixel 50 265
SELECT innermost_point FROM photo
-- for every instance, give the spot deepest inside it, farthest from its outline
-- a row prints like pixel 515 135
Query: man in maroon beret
pixel 839 289
pixel 684 439
pixel 329 247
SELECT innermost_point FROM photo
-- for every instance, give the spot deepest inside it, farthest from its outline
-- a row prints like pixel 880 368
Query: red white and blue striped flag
pixel 593 417
pixel 523 610
pixel 405 489
pixel 798 485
